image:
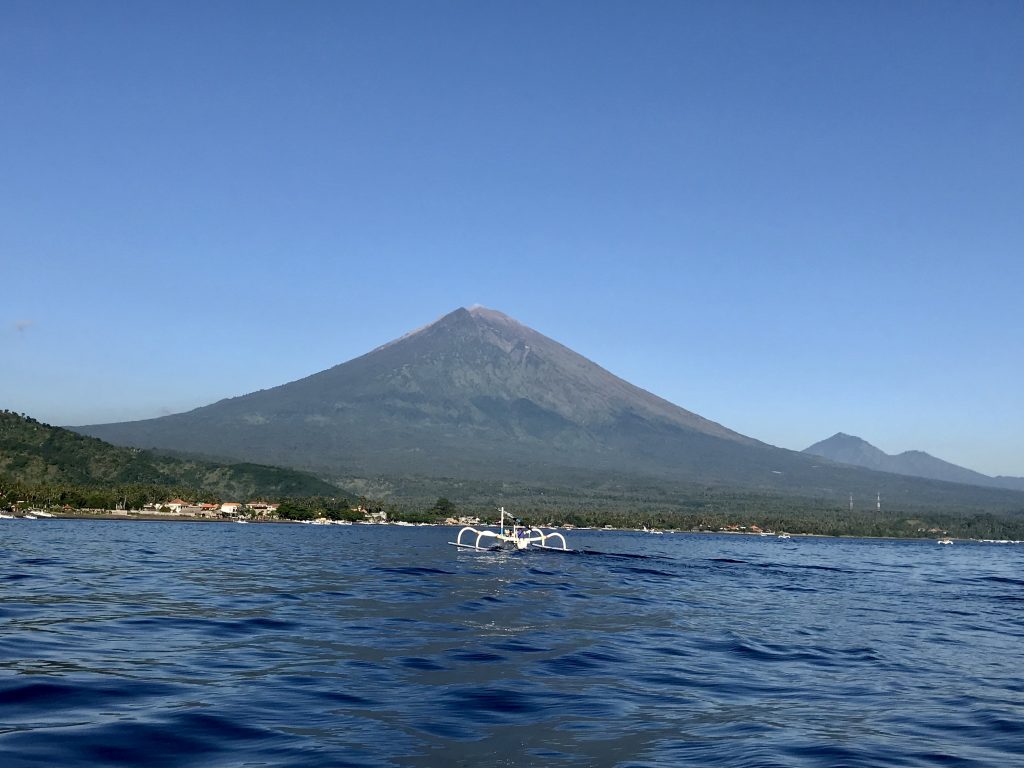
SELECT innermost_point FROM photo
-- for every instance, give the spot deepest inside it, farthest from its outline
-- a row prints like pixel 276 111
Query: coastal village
pixel 267 511
pixel 236 511
pixel 227 509
pixel 264 511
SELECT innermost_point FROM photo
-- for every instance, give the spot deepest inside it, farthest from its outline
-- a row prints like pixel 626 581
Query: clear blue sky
pixel 794 218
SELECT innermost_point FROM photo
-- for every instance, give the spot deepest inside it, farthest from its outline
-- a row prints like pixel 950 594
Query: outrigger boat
pixel 516 536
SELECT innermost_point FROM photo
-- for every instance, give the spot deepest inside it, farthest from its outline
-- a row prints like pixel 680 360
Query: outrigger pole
pixel 521 537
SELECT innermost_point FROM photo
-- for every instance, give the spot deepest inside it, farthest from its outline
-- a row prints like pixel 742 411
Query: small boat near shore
pixel 945 540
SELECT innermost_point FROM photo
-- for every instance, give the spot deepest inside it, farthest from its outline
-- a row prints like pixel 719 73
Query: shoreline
pixel 118 515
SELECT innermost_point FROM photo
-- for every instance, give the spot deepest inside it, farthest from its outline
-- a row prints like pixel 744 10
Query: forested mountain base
pixel 703 509
pixel 716 513
pixel 51 467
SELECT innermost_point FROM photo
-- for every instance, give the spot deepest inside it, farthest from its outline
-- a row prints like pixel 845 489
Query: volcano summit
pixel 468 393
pixel 477 395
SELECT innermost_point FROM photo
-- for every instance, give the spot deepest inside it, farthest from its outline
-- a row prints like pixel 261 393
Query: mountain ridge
pixel 850 449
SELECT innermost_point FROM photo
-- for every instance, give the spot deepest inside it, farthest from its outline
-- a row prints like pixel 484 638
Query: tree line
pixel 749 513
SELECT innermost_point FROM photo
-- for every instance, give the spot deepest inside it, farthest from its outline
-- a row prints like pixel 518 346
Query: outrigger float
pixel 516 536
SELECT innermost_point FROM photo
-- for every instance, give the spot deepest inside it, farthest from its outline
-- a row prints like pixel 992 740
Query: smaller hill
pixel 35 453
pixel 849 449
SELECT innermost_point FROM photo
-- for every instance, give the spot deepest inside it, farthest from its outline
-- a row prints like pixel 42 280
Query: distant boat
pixel 4 516
pixel 29 516
pixel 946 540
pixel 785 536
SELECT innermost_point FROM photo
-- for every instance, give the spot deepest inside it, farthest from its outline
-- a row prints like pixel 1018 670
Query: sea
pixel 136 643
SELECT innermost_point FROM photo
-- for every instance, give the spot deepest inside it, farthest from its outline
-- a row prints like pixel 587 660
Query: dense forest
pixel 66 463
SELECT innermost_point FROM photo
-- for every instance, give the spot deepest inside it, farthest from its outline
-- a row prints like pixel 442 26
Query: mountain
pixel 464 394
pixel 476 396
pixel 848 449
pixel 33 452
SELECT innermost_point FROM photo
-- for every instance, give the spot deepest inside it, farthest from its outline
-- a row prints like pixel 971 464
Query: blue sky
pixel 794 218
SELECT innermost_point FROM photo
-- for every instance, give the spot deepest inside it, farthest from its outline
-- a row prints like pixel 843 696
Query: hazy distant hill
pixel 478 396
pixel 853 450
pixel 33 452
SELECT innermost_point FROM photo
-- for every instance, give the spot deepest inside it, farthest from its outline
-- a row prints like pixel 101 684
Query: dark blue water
pixel 169 644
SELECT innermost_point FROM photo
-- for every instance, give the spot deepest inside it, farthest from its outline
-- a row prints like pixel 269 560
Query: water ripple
pixel 174 644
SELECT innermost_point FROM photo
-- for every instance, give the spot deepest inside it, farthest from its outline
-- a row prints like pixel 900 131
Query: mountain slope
pixel 469 390
pixel 32 452
pixel 854 450
pixel 479 396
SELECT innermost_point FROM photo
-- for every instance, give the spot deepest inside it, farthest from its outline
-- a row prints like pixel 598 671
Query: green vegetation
pixel 313 507
pixel 93 496
pixel 48 466
pixel 680 507
pixel 703 509
pixel 822 523
pixel 45 462
pixel 443 508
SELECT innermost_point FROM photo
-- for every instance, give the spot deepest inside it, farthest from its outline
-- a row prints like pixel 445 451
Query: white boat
pixel 5 516
pixel 785 536
pixel 945 540
pixel 516 537
pixel 29 516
